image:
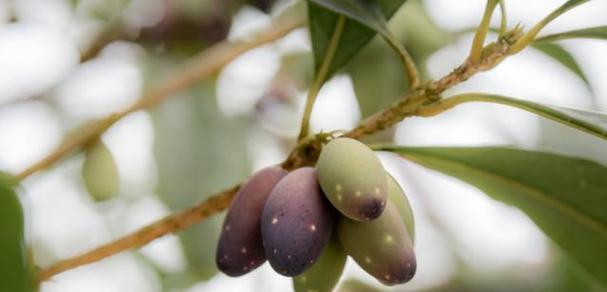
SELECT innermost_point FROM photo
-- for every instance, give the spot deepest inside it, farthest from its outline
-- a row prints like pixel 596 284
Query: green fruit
pixel 353 179
pixel 382 247
pixel 325 273
pixel 397 196
pixel 16 273
pixel 100 173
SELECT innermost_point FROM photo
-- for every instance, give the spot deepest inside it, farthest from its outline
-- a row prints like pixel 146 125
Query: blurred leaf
pixel 8 180
pixel 365 19
pixel 16 271
pixel 599 32
pixel 199 152
pixel 565 196
pixel 559 54
pixel 594 123
pixel 377 76
pixel 377 73
pixel 100 173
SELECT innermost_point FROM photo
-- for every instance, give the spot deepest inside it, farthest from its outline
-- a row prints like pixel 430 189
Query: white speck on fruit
pixel 367 260
pixel 274 220
pixel 228 227
pixel 312 227
pixel 243 250
pixel 389 238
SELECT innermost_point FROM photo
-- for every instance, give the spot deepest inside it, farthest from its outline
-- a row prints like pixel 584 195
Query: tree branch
pixel 146 234
pixel 305 153
pixel 201 66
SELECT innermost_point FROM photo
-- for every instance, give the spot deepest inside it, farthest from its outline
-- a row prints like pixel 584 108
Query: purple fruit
pixel 296 223
pixel 240 249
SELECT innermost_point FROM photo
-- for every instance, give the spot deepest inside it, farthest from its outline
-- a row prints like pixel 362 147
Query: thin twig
pixel 146 234
pixel 304 154
pixel 321 76
pixel 410 67
pixel 481 32
pixel 201 66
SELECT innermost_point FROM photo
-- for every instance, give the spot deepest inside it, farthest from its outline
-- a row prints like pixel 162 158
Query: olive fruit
pixel 16 272
pixel 240 248
pixel 382 247
pixel 397 196
pixel 353 179
pixel 325 273
pixel 100 173
pixel 296 223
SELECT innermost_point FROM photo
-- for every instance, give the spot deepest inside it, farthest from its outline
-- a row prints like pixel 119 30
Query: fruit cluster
pixel 306 222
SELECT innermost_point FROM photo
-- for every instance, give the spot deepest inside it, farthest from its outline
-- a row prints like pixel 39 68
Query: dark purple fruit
pixel 296 223
pixel 240 249
pixel 353 179
pixel 382 247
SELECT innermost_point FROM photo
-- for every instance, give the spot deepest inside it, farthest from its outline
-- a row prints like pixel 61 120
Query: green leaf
pixel 599 32
pixel 565 196
pixel 594 123
pixel 198 151
pixel 559 54
pixel 16 271
pixel 364 19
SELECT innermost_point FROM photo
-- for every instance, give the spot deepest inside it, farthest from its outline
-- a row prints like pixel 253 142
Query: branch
pixel 201 66
pixel 146 234
pixel 305 153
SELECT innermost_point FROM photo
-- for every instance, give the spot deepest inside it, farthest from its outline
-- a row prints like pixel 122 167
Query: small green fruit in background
pixel 100 173
pixel 16 271
pixel 397 196
pixel 382 247
pixel 325 273
pixel 353 179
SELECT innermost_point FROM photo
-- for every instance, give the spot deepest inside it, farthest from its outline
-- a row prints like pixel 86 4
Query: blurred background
pixel 64 62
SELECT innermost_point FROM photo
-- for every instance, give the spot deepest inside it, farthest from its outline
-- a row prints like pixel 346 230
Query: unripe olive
pixel 397 196
pixel 16 271
pixel 382 247
pixel 240 249
pixel 296 223
pixel 353 179
pixel 100 173
pixel 325 273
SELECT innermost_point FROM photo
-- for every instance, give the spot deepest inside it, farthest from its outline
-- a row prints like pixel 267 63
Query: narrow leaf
pixel 565 196
pixel 594 123
pixel 364 19
pixel 599 32
pixel 559 54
